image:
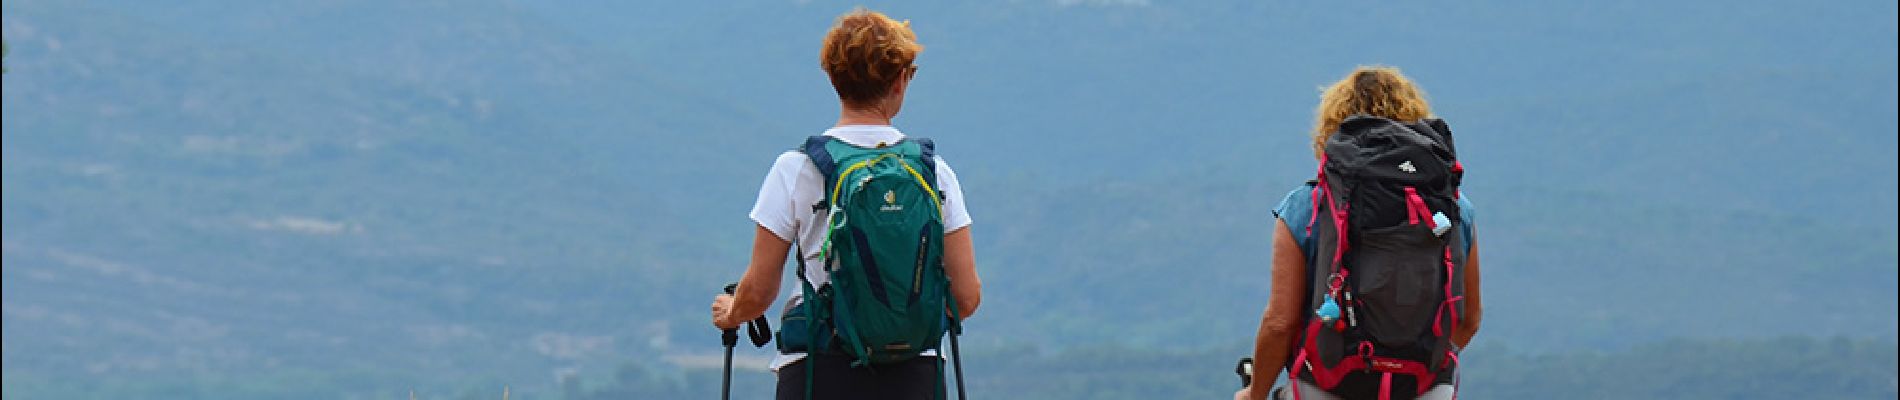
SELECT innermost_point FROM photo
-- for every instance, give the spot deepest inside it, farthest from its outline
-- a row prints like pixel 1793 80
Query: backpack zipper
pixel 917 277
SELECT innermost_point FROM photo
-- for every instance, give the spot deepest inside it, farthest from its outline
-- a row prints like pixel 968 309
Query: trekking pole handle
pixel 758 329
pixel 729 337
pixel 1245 369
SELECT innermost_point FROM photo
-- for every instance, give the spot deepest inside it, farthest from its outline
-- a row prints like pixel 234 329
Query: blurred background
pixel 354 199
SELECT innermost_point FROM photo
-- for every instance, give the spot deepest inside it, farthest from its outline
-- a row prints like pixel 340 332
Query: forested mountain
pixel 352 198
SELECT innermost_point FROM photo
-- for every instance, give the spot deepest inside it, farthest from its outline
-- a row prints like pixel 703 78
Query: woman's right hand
pixel 722 312
pixel 1246 393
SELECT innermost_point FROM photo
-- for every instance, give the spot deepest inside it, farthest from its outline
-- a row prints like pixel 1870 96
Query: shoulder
pixel 791 161
pixel 946 177
pixel 929 148
pixel 943 167
pixel 795 173
pixel 1296 202
pixel 1466 209
pixel 1303 189
pixel 1296 210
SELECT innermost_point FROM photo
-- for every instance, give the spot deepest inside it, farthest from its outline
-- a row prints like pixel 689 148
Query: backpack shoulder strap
pixel 814 148
pixel 1301 224
pixel 929 148
pixel 820 156
pixel 1443 131
pixel 929 159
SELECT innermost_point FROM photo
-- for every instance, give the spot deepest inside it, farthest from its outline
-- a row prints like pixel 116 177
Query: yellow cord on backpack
pixel 838 188
pixel 831 216
pixel 927 189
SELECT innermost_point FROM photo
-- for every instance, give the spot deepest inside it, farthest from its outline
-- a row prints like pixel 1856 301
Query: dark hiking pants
pixel 835 379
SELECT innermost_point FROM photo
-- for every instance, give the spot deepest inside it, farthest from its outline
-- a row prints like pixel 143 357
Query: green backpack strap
pixel 811 311
pixel 814 148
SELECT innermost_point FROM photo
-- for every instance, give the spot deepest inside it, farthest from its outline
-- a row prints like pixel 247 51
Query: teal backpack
pixel 888 297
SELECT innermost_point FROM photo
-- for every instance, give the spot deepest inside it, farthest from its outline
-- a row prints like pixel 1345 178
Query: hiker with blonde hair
pixel 1375 262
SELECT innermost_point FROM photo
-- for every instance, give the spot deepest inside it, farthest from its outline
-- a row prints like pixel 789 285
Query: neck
pixel 872 115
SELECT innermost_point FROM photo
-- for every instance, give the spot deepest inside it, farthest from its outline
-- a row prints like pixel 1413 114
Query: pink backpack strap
pixel 1385 386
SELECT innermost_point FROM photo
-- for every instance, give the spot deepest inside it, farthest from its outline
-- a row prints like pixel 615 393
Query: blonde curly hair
pixel 865 53
pixel 1379 91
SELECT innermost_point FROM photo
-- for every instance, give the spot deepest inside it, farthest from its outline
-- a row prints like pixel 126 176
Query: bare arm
pixel 1280 323
pixel 959 262
pixel 760 284
pixel 1474 305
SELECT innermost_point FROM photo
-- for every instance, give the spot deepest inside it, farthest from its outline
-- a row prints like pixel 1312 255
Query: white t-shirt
pixel 794 185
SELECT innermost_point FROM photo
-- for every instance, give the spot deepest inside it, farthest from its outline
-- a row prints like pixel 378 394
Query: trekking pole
pixel 730 338
pixel 758 329
pixel 956 358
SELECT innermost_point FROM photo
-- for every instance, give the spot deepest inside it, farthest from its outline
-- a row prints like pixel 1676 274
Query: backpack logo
pixel 890 202
pixel 1407 167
